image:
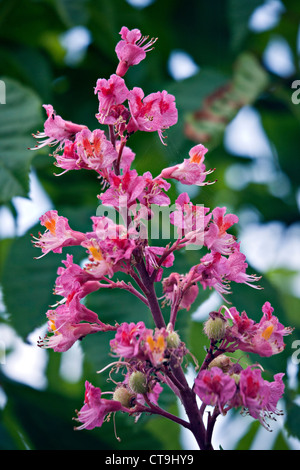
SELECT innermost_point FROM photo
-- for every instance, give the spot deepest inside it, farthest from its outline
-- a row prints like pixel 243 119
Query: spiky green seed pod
pixel 215 328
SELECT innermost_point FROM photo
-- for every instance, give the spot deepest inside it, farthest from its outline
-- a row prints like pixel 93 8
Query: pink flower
pixel 69 323
pixel 155 112
pixel 131 49
pixel 153 192
pixel 111 94
pixel 154 345
pixel 264 338
pixel 152 254
pixel 190 219
pixel 94 150
pixel 65 333
pixel 259 396
pixel 192 170
pixel 69 160
pixel 235 268
pixel 127 339
pixel 56 130
pixel 217 238
pixel 214 387
pixel 58 233
pixel 95 408
pixel 178 290
pixel 124 189
pixel 73 280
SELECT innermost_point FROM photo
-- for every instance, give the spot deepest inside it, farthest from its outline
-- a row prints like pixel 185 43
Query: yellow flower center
pixel 51 225
pixel 267 332
pixel 96 253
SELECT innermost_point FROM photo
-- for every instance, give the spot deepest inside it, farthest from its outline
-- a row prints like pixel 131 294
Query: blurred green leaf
pixel 18 117
pixel 208 123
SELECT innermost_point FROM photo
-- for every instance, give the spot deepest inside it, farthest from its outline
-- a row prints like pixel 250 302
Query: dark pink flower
pixel 214 387
pixel 131 49
pixel 258 396
pixel 155 112
pixel 154 191
pixel 124 189
pixel 58 233
pixel 190 219
pixel 111 94
pixel 216 237
pixel 192 170
pixel 56 130
pixel 127 339
pixel 95 408
pixel 73 280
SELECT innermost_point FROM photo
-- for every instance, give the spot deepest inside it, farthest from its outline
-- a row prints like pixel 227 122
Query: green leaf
pixel 208 123
pixel 18 117
pixel 27 284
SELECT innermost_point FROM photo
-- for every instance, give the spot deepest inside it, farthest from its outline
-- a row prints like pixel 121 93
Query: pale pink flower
pixel 235 268
pixel 69 323
pixel 95 408
pixel 111 93
pixel 191 171
pixel 214 387
pixel 152 254
pixel 56 130
pixel 155 112
pixel 131 50
pixel 58 233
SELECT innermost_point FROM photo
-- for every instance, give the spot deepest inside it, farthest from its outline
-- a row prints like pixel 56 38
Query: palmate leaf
pixel 18 118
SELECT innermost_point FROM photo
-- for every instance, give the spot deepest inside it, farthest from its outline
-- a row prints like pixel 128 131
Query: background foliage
pixel 263 190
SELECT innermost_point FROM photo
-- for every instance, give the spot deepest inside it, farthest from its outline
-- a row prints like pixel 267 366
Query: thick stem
pixel 187 395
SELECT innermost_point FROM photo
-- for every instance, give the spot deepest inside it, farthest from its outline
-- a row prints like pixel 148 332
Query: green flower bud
pixel 223 362
pixel 138 382
pixel 124 396
pixel 215 328
pixel 173 340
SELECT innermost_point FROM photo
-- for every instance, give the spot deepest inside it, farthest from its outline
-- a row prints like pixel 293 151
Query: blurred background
pixel 233 67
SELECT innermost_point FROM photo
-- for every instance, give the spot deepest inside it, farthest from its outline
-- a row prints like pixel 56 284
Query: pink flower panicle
pixel 150 359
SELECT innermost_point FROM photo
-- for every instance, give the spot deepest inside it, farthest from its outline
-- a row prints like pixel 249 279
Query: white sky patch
pixel 181 65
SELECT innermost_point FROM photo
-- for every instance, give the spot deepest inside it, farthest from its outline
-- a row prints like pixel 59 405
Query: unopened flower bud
pixel 215 328
pixel 223 362
pixel 124 396
pixel 138 382
pixel 173 340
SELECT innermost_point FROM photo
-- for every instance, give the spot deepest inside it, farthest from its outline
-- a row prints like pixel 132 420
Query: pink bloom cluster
pixel 246 389
pixel 153 356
